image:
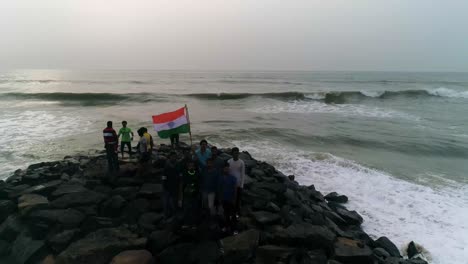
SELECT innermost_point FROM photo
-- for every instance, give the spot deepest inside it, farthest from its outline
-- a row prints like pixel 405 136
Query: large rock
pixel 274 187
pixel 150 190
pixel 352 251
pixel 161 239
pixel 128 193
pixel 265 218
pixel 67 218
pixel 4 248
pixel 388 245
pixel 177 254
pixel 272 254
pixel 148 221
pixel 113 206
pixel 43 189
pixel 7 207
pixel 60 241
pixel 68 188
pixel 133 257
pixel 77 199
pixel 240 248
pixel 304 234
pixel 134 209
pixel 100 246
pixel 335 197
pixel 92 223
pixel 30 202
pixel 351 217
pixel 27 250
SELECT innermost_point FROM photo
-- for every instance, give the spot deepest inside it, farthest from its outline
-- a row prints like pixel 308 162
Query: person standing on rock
pixel 191 194
pixel 143 150
pixel 237 169
pixel 171 182
pixel 229 191
pixel 111 143
pixel 209 186
pixel 126 139
pixel 202 154
pixel 218 163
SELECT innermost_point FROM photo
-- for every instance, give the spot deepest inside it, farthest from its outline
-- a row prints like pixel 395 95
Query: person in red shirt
pixel 111 143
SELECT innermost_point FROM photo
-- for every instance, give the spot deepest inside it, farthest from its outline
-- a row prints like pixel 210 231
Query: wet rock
pixel 302 256
pixel 67 218
pixel 274 187
pixel 43 189
pixel 380 254
pixel 133 257
pixel 103 189
pixel 100 246
pixel 92 223
pixel 30 202
pixel 272 254
pixel 412 250
pixel 134 209
pixel 61 240
pixel 150 191
pixel 112 207
pixel 240 248
pixel 265 218
pixel 352 251
pixel 68 188
pixel 13 192
pixel 27 250
pixel 177 254
pixel 7 207
pixel 335 197
pixel 148 221
pixel 257 173
pixel 388 245
pixel 77 199
pixel 351 217
pixel 128 193
pixel 49 259
pixel 4 248
pixel 304 234
pixel 161 239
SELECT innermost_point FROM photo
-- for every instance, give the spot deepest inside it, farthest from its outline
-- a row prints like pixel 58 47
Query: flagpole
pixel 190 126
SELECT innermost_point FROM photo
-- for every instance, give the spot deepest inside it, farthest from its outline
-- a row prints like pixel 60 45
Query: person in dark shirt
pixel 171 182
pixel 210 185
pixel 218 163
pixel 229 192
pixel 111 143
pixel 191 194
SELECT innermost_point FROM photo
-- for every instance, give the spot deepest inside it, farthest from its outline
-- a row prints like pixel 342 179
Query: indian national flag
pixel 171 123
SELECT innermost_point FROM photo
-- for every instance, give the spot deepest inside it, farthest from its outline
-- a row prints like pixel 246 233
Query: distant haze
pixel 398 35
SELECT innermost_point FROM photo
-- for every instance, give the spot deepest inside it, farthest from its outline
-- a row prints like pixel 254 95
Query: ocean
pixel 395 143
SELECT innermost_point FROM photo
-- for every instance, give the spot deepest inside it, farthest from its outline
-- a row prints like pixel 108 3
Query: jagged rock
pixel 93 223
pixel 177 254
pixel 126 182
pixel 380 254
pixel 112 207
pixel 274 187
pixel 103 189
pixel 257 173
pixel 338 220
pixel 351 217
pixel 68 188
pixel 77 199
pixel 27 250
pixel 88 210
pixel 134 209
pixel 352 251
pixel 272 254
pixel 7 207
pixel 304 234
pixel 100 246
pixel 388 245
pixel 13 192
pixel 301 256
pixel 161 239
pixel 67 218
pixel 265 218
pixel 128 193
pixel 148 221
pixel 149 190
pixel 43 189
pixel 4 248
pixel 240 248
pixel 412 250
pixel 30 202
pixel 60 241
pixel 335 197
pixel 133 257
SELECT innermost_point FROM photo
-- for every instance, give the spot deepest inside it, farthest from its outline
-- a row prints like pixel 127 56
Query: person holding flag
pixel 172 123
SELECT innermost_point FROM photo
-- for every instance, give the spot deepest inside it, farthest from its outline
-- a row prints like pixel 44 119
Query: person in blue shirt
pixel 229 192
pixel 210 184
pixel 202 154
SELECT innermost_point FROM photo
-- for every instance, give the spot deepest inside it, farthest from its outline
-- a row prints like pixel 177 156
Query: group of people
pixel 199 184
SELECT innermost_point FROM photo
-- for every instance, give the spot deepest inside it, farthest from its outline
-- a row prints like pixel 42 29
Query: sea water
pixel 395 143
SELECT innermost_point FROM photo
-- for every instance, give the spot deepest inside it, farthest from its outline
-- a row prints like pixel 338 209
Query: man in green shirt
pixel 126 139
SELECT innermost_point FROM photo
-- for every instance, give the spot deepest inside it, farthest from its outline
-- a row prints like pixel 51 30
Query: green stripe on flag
pixel 185 128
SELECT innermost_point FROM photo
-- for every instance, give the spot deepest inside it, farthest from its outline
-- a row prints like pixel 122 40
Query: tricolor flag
pixel 171 123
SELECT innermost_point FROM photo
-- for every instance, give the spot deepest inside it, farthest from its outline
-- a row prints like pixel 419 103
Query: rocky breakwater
pixel 68 212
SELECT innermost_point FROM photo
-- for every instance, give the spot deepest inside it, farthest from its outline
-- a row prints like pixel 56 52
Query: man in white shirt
pixel 237 169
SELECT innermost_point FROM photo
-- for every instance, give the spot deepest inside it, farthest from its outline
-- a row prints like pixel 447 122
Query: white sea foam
pixel 390 207
pixel 445 92
pixel 304 107
pixel 370 93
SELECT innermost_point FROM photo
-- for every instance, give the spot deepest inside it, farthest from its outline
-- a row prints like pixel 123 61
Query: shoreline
pixel 67 211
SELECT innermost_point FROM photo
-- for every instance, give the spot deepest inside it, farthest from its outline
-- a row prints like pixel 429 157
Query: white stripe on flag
pixel 182 120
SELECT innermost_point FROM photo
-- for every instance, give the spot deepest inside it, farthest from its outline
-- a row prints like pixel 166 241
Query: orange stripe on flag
pixel 169 116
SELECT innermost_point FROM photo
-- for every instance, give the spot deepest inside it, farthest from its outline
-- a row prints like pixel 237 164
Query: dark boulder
pixel 4 248
pixel 128 193
pixel 302 256
pixel 351 217
pixel 240 248
pixel 68 188
pixel 304 234
pixel 100 246
pixel 77 199
pixel 60 241
pixel 177 254
pixel 161 239
pixel 148 221
pixel 274 187
pixel 335 197
pixel 113 206
pixel 7 207
pixel 66 218
pixel 30 202
pixel 351 251
pixel 272 254
pixel 43 189
pixel 149 190
pixel 133 257
pixel 380 254
pixel 92 223
pixel 27 250
pixel 388 245
pixel 134 209
pixel 265 218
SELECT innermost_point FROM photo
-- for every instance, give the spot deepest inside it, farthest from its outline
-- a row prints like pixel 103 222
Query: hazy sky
pixel 414 35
